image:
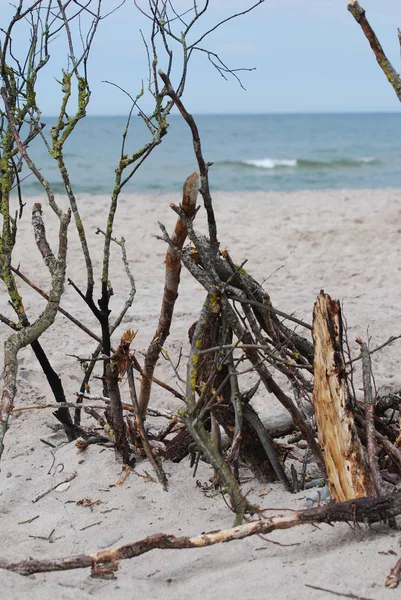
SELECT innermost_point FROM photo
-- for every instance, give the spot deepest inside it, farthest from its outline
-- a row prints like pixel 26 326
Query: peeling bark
pixel 347 472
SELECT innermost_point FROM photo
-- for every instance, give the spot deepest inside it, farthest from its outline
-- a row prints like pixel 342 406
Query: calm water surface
pixel 249 152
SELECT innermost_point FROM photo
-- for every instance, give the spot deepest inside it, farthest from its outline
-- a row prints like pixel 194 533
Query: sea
pixel 248 152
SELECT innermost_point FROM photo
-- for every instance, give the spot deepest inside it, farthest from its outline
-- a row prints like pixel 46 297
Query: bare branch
pixel 31 333
pixel 230 18
pixel 369 416
pixel 393 77
pixel 172 279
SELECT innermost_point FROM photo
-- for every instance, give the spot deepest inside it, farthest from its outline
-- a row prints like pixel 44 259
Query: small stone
pixel 317 495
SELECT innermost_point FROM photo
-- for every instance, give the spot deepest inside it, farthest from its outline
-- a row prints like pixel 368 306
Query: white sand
pixel 346 242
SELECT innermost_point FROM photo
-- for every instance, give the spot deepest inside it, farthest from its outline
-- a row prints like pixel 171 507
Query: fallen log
pixel 361 510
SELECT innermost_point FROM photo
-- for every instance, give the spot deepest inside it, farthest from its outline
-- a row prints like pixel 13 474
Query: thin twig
pixel 390 340
pixel 271 309
pixel 28 407
pixel 156 464
pixel 54 487
pixel 343 594
pixel 60 309
pixel 369 416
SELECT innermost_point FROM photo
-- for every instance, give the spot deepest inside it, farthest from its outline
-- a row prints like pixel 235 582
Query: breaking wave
pixel 300 163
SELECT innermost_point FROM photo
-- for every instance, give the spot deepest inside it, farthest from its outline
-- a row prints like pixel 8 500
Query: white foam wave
pixel 272 163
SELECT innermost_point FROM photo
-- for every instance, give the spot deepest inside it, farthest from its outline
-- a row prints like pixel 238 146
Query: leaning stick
pixel 360 17
pixel 156 464
pixel 60 308
pixel 369 416
pixel 361 510
pixel 172 280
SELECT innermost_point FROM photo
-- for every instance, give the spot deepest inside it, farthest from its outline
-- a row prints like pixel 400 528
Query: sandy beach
pixel 346 242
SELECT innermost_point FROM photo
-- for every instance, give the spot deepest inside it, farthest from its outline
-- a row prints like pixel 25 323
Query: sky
pixel 308 55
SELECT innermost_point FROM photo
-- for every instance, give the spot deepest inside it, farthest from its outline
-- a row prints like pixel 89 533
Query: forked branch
pixel 29 334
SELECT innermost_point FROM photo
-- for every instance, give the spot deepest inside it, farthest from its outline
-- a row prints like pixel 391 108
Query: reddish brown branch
pixel 172 280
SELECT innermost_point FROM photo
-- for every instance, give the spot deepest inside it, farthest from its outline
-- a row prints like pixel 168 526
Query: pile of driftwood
pixel 354 445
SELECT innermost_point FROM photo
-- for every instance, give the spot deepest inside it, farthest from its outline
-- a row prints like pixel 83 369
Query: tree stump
pixel 347 470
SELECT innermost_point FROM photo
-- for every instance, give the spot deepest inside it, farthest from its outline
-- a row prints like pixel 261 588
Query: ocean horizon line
pixel 249 114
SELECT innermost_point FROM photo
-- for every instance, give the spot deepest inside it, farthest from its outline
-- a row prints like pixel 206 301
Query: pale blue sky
pixel 310 56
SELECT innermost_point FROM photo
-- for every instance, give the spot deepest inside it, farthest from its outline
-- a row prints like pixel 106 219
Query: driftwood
pixel 257 450
pixel 361 510
pixel 247 314
pixel 236 306
pixel 172 280
pixel 347 472
pixel 394 577
pixel 206 327
pixel 215 396
pixel 391 74
pixel 277 424
pixel 369 416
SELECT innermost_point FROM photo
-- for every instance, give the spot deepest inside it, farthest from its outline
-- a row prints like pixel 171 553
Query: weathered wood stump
pixel 346 466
